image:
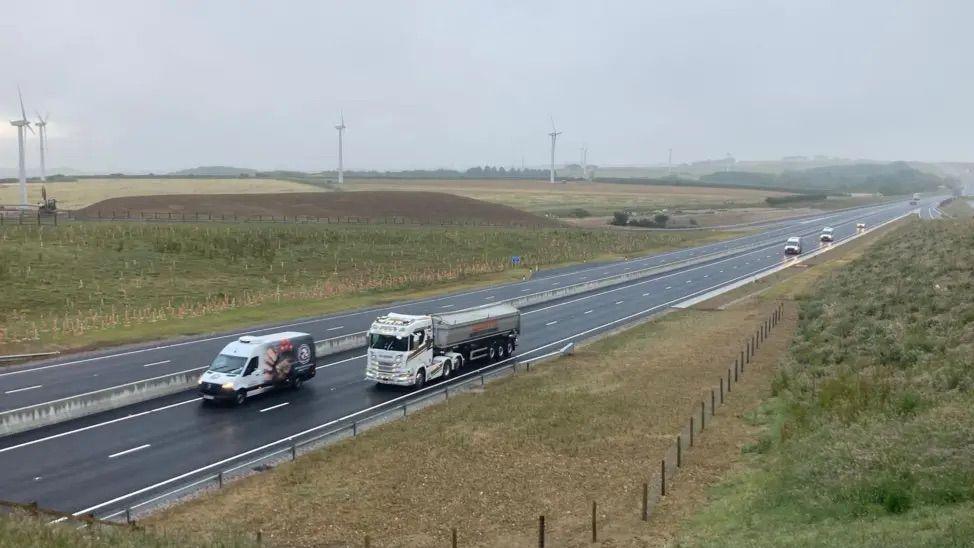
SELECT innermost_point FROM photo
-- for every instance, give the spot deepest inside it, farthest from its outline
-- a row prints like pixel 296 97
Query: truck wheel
pixel 460 362
pixel 492 353
pixel 240 397
pixel 500 352
pixel 510 348
pixel 420 379
pixel 297 382
pixel 447 369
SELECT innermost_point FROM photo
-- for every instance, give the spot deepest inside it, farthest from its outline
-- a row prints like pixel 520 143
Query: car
pixel 826 235
pixel 793 246
pixel 860 226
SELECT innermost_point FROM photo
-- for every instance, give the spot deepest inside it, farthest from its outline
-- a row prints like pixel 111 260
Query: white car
pixel 793 246
pixel 860 226
pixel 826 234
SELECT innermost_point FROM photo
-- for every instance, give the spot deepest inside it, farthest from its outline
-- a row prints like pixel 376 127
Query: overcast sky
pixel 157 86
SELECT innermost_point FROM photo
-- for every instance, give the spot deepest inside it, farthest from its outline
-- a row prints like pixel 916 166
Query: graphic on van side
pixel 278 361
pixel 304 354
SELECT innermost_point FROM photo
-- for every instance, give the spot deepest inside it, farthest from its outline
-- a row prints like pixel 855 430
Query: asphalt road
pixel 107 461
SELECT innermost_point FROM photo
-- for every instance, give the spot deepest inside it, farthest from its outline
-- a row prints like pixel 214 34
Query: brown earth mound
pixel 377 206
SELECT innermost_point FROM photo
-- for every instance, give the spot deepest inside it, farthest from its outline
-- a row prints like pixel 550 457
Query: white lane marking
pixel 89 427
pixel 669 287
pixel 127 451
pixel 689 281
pixel 645 294
pixel 525 290
pixel 556 283
pixel 336 328
pixel 552 323
pixel 619 302
pixel 706 275
pixel 721 271
pixel 103 389
pixel 23 389
pixel 341 361
pixel 588 311
pixel 156 363
pixel 490 297
pixel 583 278
pixel 271 408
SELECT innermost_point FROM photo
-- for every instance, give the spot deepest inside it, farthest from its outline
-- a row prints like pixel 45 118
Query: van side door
pixel 252 375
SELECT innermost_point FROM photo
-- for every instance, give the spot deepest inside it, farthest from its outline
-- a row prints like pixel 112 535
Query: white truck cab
pixel 827 234
pixel 793 246
pixel 400 346
pixel 254 364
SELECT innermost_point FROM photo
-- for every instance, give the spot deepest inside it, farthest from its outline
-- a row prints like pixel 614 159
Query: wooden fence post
pixel 662 478
pixel 691 431
pixel 595 536
pixel 645 502
pixel 541 531
pixel 679 451
pixel 455 537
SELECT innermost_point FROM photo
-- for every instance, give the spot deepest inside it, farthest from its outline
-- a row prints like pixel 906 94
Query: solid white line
pixel 127 451
pixel 552 323
pixel 23 389
pixel 275 406
pixel 156 363
pixel 341 361
pixel 89 427
pixel 336 328
pixel 619 302
pixel 588 311
pixel 645 294
pixel 103 389
pixel 669 287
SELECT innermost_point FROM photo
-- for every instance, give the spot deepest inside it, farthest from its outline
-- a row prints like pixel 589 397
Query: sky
pixel 158 86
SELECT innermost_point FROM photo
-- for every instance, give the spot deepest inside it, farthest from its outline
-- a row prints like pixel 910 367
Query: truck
pixel 411 350
pixel 255 364
pixel 827 234
pixel 916 199
pixel 793 246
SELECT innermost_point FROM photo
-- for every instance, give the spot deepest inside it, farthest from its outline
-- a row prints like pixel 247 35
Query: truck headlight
pixel 398 358
pixel 200 381
pixel 227 386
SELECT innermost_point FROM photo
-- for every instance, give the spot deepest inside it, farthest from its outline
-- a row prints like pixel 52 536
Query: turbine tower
pixel 22 168
pixel 341 130
pixel 42 137
pixel 584 164
pixel 554 137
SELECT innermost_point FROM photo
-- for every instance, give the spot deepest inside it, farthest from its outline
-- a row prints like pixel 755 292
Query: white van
pixel 254 364
pixel 827 234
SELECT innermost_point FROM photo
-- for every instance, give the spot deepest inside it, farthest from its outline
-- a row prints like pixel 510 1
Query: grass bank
pixel 868 436
pixel 92 284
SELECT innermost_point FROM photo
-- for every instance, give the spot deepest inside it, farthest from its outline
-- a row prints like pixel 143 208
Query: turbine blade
pixel 23 113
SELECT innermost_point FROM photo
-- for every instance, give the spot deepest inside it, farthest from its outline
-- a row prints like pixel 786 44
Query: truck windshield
pixel 225 363
pixel 388 342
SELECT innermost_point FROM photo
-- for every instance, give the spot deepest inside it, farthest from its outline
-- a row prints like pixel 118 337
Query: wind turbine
pixel 42 136
pixel 341 130
pixel 22 169
pixel 554 137
pixel 584 164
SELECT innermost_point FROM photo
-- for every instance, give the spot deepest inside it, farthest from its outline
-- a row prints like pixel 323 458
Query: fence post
pixel 679 451
pixel 594 530
pixel 128 515
pixel 703 413
pixel 645 501
pixel 691 431
pixel 33 508
pixel 541 531
pixel 747 351
pixel 368 542
pixel 722 390
pixel 354 428
pixel 713 403
pixel 294 451
pixel 662 478
pixel 728 380
pixel 219 478
pixel 735 371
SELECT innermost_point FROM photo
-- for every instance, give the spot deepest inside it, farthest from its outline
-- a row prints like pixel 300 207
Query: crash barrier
pixel 340 344
pixel 72 407
pixel 266 457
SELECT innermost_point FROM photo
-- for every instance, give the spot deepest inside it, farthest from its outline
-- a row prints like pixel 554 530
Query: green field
pixel 80 285
pixel 869 435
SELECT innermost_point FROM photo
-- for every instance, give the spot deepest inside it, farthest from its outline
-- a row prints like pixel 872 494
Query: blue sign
pixel 516 260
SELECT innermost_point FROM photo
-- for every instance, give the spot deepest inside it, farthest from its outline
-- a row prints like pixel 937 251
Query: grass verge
pixel 86 285
pixel 867 437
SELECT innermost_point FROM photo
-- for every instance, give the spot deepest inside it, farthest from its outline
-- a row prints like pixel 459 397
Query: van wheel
pixel 297 382
pixel 420 379
pixel 240 398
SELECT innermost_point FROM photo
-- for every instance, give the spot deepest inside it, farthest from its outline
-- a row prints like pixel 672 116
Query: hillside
pixel 214 171
pixel 889 179
pixel 423 207
pixel 869 436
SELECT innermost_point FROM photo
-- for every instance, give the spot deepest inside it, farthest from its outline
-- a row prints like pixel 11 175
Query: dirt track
pixel 413 206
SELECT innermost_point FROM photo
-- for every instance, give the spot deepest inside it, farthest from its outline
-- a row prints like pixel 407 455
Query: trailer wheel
pixel 240 398
pixel 492 353
pixel 510 348
pixel 500 352
pixel 420 379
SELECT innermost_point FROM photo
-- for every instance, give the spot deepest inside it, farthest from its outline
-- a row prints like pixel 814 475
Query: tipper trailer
pixel 409 350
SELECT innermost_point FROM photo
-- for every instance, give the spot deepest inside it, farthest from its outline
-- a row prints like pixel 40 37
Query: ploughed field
pixel 375 206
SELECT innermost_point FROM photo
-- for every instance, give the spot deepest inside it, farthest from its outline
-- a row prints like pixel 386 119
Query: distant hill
pixel 215 171
pixel 889 179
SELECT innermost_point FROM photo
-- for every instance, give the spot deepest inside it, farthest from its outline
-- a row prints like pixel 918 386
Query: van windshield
pixel 388 342
pixel 225 363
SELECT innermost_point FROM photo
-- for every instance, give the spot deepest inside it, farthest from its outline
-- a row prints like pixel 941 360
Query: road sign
pixel 516 260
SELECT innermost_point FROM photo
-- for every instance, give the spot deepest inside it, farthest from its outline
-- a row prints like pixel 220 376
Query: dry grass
pixel 591 426
pixel 597 198
pixel 84 192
